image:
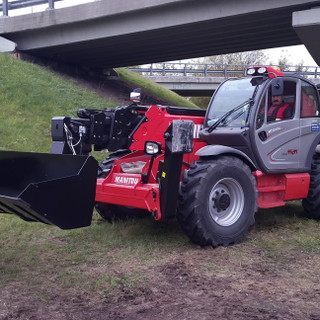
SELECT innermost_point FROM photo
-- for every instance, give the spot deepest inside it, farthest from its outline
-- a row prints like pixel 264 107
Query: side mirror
pixel 135 95
pixel 277 87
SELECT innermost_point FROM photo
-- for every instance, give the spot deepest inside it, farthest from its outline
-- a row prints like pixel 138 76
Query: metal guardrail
pixel 18 4
pixel 214 70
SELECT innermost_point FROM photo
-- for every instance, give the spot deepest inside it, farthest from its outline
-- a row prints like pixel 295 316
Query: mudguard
pixel 50 188
pixel 215 150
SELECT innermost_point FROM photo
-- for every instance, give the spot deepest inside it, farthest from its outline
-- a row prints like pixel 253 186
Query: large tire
pixel 111 212
pixel 217 201
pixel 311 204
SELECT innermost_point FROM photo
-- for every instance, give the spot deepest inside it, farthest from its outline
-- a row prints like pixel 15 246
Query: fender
pixel 314 148
pixel 216 150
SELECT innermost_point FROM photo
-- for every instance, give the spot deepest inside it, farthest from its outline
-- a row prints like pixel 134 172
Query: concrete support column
pixel 7 45
pixel 307 26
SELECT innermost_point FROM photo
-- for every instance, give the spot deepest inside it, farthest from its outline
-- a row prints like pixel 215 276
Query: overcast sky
pixel 295 54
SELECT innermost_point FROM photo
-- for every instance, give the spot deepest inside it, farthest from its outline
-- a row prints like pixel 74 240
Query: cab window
pixel 281 103
pixel 309 101
pixel 278 102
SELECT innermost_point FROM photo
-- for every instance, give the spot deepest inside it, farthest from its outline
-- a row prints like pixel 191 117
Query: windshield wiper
pixel 226 115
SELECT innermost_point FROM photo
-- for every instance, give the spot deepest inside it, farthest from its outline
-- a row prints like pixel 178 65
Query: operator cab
pixel 270 117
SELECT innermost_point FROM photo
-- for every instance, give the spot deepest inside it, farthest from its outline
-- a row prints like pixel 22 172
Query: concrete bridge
pixel 113 33
pixel 189 86
pixel 202 79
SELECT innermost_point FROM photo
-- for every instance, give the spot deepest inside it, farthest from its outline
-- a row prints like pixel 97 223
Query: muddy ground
pixel 194 283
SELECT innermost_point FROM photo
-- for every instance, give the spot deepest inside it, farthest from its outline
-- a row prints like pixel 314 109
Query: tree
pixel 239 58
pixel 286 64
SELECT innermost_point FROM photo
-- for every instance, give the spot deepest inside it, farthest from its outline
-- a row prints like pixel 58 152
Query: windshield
pixel 231 94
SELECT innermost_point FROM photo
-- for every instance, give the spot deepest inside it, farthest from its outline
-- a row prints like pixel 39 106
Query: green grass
pixel 294 234
pixel 93 258
pixel 31 95
pixel 106 259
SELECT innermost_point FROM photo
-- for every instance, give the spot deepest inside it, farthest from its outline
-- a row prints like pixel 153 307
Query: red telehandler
pixel 210 169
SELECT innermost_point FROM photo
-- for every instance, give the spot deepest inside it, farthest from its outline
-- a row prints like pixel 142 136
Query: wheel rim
pixel 226 202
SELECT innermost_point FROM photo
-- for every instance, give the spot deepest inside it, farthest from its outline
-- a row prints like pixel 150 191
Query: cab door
pixel 309 123
pixel 277 141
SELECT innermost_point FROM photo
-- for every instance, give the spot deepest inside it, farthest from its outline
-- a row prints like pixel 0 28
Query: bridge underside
pixel 189 86
pixel 179 42
pixel 193 92
pixel 98 36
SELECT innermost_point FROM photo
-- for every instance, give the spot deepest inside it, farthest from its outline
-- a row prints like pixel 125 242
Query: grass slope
pixel 30 97
pixel 154 88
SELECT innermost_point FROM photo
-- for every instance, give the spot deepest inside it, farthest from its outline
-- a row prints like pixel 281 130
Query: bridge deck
pixel 124 33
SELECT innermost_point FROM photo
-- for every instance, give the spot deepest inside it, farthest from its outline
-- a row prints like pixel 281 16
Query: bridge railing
pixel 19 4
pixel 214 70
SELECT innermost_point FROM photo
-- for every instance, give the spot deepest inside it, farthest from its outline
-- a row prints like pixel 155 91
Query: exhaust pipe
pixel 50 188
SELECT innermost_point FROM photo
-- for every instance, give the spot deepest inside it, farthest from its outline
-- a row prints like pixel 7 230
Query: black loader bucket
pixel 51 188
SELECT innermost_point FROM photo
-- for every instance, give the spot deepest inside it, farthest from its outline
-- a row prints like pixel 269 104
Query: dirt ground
pixel 220 283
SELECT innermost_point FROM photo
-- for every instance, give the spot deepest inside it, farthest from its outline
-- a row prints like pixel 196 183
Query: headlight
pixel 152 147
pixel 262 70
pixel 251 71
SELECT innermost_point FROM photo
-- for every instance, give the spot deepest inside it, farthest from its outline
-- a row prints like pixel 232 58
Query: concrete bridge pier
pixel 306 23
pixel 7 45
